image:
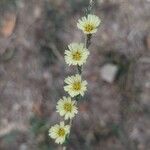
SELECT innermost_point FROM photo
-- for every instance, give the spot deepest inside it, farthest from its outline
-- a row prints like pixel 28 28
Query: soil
pixel 112 116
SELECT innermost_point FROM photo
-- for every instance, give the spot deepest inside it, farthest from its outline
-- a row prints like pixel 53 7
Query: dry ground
pixel 113 116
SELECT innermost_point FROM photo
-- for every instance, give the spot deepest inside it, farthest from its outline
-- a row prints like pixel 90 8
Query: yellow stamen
pixel 88 27
pixel 61 132
pixel 77 86
pixel 76 55
pixel 67 107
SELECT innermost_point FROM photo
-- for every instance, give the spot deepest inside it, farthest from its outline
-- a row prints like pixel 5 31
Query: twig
pixel 56 52
pixel 124 104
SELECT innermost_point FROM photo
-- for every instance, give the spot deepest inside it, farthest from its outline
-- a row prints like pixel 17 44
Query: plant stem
pixel 88 40
pixel 79 71
pixel 79 68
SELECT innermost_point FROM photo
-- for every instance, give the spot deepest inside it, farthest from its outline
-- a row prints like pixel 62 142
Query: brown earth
pixel 33 37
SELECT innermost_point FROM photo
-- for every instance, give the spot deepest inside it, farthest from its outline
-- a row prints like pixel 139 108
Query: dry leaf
pixel 37 109
pixel 83 107
pixel 8 24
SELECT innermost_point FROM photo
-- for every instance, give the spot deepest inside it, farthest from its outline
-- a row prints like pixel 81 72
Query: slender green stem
pixel 79 71
pixel 80 68
pixel 88 40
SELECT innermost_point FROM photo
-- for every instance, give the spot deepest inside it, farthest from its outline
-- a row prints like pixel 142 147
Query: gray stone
pixel 108 72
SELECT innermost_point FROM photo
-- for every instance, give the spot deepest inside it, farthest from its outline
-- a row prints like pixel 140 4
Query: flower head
pixel 75 85
pixel 76 55
pixel 59 132
pixel 89 24
pixel 66 107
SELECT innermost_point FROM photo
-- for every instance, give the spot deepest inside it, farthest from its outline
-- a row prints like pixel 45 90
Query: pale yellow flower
pixel 75 86
pixel 89 24
pixel 66 107
pixel 59 132
pixel 76 55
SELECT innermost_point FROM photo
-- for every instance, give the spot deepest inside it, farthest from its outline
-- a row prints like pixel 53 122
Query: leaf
pixel 8 24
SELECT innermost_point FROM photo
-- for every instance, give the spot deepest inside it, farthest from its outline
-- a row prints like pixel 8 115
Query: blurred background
pixel 115 112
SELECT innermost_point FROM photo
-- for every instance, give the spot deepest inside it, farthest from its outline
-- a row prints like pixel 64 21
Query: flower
pixel 75 85
pixel 59 132
pixel 66 107
pixel 76 55
pixel 89 24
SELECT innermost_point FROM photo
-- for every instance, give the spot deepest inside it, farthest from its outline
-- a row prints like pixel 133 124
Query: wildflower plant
pixel 67 108
pixel 89 24
pixel 75 85
pixel 59 132
pixel 76 55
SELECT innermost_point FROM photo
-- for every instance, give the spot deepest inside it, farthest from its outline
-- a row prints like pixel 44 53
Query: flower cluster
pixel 76 54
pixel 59 132
pixel 75 86
pixel 89 24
